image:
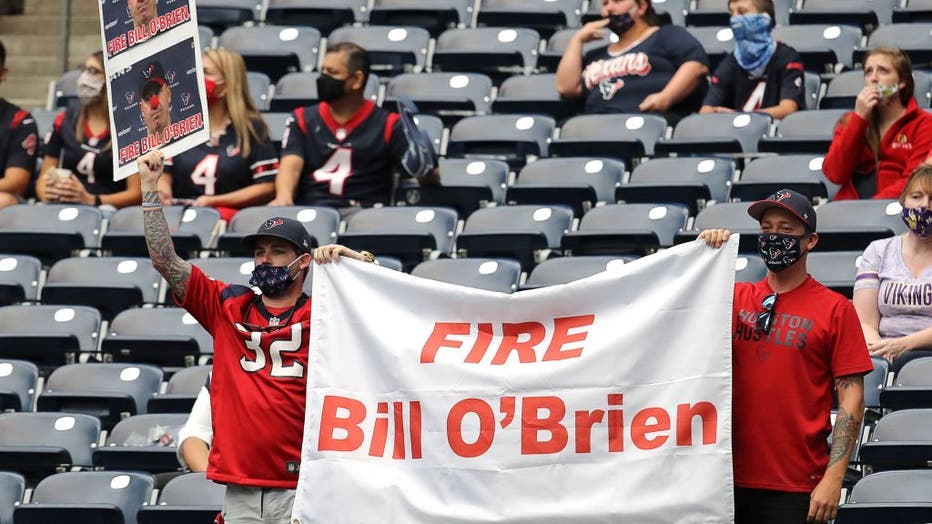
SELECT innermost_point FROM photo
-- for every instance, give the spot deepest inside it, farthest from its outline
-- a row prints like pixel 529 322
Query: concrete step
pixel 35 24
pixel 27 87
pixel 78 7
pixel 33 45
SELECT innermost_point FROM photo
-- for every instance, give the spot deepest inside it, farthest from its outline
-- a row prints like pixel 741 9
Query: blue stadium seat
pixel 853 224
pixel 38 444
pixel 690 181
pixel 167 337
pixel 467 186
pixel 193 229
pixel 49 232
pixel 578 182
pixel 110 284
pixel 834 269
pixel 321 223
pixel 181 392
pixel 221 14
pixel 900 440
pixel 516 139
pixel 325 15
pixel 911 388
pixel 564 270
pixel 766 175
pixel 411 234
pixel 716 133
pixel 12 488
pixel 434 15
pixel 808 132
pixel 48 336
pixel 186 499
pixel 19 278
pixel 448 95
pixel 821 47
pixel 274 50
pixel 495 51
pixel 392 50
pixel 623 136
pixel 502 275
pixel 625 228
pixel 18 382
pixel 86 497
pixel 545 18
pixel 519 232
pixel 534 94
pixel 295 90
pixel 889 496
pixel 142 442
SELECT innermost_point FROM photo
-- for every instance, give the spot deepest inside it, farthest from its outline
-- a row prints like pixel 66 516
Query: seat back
pixel 73 432
pixel 392 50
pixel 893 486
pixel 65 492
pixel 19 278
pixel 500 275
pixel 433 92
pixel 75 385
pixel 12 487
pixel 564 270
pixel 18 380
pixel 192 489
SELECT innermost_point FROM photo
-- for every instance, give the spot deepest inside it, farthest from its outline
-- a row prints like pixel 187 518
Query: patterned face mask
pixel 273 281
pixel 619 24
pixel 918 220
pixel 779 251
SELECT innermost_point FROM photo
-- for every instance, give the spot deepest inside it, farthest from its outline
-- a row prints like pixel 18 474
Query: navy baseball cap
pixel 420 157
pixel 151 79
pixel 797 204
pixel 284 228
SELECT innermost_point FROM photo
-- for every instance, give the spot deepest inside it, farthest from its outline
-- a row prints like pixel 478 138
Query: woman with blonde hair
pixel 878 145
pixel 236 167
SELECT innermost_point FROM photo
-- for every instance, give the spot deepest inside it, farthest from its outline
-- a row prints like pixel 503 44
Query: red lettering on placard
pixel 479 408
pixel 562 337
pixel 525 348
pixel 438 339
pixel 532 424
pixel 684 423
pixel 330 421
pixel 642 429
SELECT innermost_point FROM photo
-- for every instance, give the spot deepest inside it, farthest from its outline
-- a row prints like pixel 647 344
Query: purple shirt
pixel 905 302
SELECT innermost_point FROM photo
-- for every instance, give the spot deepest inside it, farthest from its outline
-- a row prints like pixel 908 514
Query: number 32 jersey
pixel 345 164
pixel 259 382
pixel 89 159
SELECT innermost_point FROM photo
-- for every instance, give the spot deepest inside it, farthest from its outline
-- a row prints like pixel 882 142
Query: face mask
pixel 329 88
pixel 779 251
pixel 754 45
pixel 886 92
pixel 918 220
pixel 273 281
pixel 89 88
pixel 619 24
pixel 210 89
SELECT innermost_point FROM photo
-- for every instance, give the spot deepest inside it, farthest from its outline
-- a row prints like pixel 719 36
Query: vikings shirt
pixel 619 82
pixel 89 159
pixel 18 137
pixel 218 166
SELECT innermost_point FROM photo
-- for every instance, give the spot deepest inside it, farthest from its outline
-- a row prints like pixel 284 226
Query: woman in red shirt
pixel 885 138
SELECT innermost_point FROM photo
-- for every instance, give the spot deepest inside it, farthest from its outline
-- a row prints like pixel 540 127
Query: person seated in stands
pixel 761 74
pixel 78 163
pixel 18 141
pixel 652 68
pixel 197 434
pixel 891 290
pixel 236 167
pixel 878 145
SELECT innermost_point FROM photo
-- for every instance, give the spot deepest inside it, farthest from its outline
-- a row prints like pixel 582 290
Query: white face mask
pixel 89 88
pixel 886 92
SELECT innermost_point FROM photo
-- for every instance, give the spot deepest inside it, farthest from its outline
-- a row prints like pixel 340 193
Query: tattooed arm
pixel 823 504
pixel 158 237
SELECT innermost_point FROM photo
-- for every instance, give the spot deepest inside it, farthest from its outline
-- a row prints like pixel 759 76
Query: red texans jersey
pixel 345 164
pixel 218 166
pixel 258 385
pixel 18 138
pixel 90 159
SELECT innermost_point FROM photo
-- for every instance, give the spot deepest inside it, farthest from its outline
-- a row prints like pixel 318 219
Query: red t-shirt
pixel 783 382
pixel 259 383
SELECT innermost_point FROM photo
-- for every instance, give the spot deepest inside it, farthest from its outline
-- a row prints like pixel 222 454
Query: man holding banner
pixel 794 341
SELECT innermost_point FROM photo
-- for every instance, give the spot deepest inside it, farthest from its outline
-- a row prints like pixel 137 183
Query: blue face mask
pixel 273 281
pixel 918 220
pixel 754 45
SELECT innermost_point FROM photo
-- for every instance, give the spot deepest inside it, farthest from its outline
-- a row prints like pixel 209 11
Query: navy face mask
pixel 918 220
pixel 619 24
pixel 779 251
pixel 273 281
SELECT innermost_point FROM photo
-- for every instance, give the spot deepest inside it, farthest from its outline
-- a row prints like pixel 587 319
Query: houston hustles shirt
pixel 904 300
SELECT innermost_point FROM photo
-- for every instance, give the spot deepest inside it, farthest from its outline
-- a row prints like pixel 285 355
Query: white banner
pixel 604 400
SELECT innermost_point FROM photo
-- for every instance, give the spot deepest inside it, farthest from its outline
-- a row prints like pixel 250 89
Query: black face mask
pixel 779 251
pixel 619 24
pixel 329 88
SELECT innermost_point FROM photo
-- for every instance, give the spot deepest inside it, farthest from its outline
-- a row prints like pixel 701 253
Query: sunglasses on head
pixel 765 318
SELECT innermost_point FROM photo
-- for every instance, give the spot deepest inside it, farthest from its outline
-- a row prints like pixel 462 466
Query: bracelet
pixel 369 257
pixel 151 206
pixel 97 201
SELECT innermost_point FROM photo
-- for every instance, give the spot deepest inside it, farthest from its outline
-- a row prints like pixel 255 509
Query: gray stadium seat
pixel 900 440
pixel 206 37
pixel 12 487
pixel 553 51
pixel 728 215
pixel 18 379
pixel 813 88
pixel 766 175
pixel 19 278
pixel 494 51
pixel 409 233
pixel 915 39
pixel 259 84
pixel 749 268
pixel 715 13
pixel 716 133
pixel 545 18
pixel 564 270
pixel 48 335
pixel 193 229
pixel 448 95
pixel 853 224
pixel 142 442
pixel 515 139
pixel 622 136
pixel 807 132
pixel 295 90
pixel 842 91
pixel 181 392
pixel 914 11
pixel 433 126
pixel 718 42
pixel 467 186
pixel 518 232
pixel 499 274
pixel 834 269
pixel 578 182
pixel 66 89
pixel 533 94
pixel 49 232
pixel 434 15
pixel 38 444
pixel 321 223
pixel 821 46
pixel 874 385
pixel 274 50
pixel 675 10
pixel 690 181
pixel 221 14
pixel 325 15
pixel 277 123
pixel 168 337
pixel 232 270
pixel 186 499
pixel 626 228
pixel 110 284
pixel 85 497
pixel 889 496
pixel 866 14
pixel 392 50
pixel 108 391
pixel 912 386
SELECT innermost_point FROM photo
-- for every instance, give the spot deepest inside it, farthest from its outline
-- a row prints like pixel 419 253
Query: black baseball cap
pixel 151 79
pixel 285 228
pixel 796 203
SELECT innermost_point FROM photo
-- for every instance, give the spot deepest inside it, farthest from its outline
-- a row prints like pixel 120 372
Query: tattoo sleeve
pixel 847 425
pixel 162 250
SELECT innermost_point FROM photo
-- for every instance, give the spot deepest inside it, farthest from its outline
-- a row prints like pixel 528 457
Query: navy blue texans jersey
pixel 90 159
pixel 18 138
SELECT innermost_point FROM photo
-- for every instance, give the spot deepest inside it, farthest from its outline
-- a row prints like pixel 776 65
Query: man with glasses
pixel 794 343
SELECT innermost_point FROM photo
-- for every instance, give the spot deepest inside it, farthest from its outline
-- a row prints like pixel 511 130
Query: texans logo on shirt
pixel 29 144
pixel 608 72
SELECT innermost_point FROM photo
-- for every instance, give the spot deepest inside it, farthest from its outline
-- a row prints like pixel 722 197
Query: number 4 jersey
pixel 259 382
pixel 90 158
pixel 349 163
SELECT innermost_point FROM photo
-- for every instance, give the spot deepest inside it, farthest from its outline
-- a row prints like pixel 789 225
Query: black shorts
pixel 762 506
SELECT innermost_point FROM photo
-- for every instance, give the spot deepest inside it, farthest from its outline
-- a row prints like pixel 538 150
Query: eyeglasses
pixel 91 70
pixel 765 318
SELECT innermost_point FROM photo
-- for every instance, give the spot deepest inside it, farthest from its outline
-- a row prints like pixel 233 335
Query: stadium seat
pixel 66 89
pixel 206 37
pixel 49 232
pixel 549 59
pixel 853 224
pixel 321 223
pixel 707 13
pixel 545 18
pixel 578 182
pixel 766 175
pixel 274 50
pixel 142 442
pixel 107 391
pixel 232 270
pixel 518 232
pixel 623 136
pixel 821 47
pixel 325 15
pixel 914 39
pixel 729 215
pixel 690 181
pixel 48 335
pixel 749 268
pixel 498 274
pixel 110 284
pixel 914 11
pixel 889 496
pixel 716 133
pixel 900 440
pixel 534 94
pixel 842 91
pixel 392 50
pixel 221 14
pixel 186 499
pixel 411 234
pixel 12 487
pixel 874 384
pixel 168 337
pixel 18 379
pixel 912 386
pixel 813 88
pixel 625 228
pixel 448 95
pixel 467 186
pixel 181 392
pixel 259 84
pixel 834 269
pixel 563 270
pixel 38 444
pixel 516 139
pixel 434 15
pixel 86 497
pixel 718 43
pixel 673 11
pixel 296 90
pixel 866 14
pixel 387 262
pixel 193 229
pixel 19 278
pixel 494 51
pixel 277 123
pixel 808 132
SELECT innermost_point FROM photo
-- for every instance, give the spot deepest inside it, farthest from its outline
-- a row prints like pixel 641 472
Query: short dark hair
pixel 2 56
pixel 357 59
pixel 762 6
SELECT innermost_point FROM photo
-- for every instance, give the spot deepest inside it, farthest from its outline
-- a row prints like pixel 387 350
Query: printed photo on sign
pixel 157 102
pixel 127 23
